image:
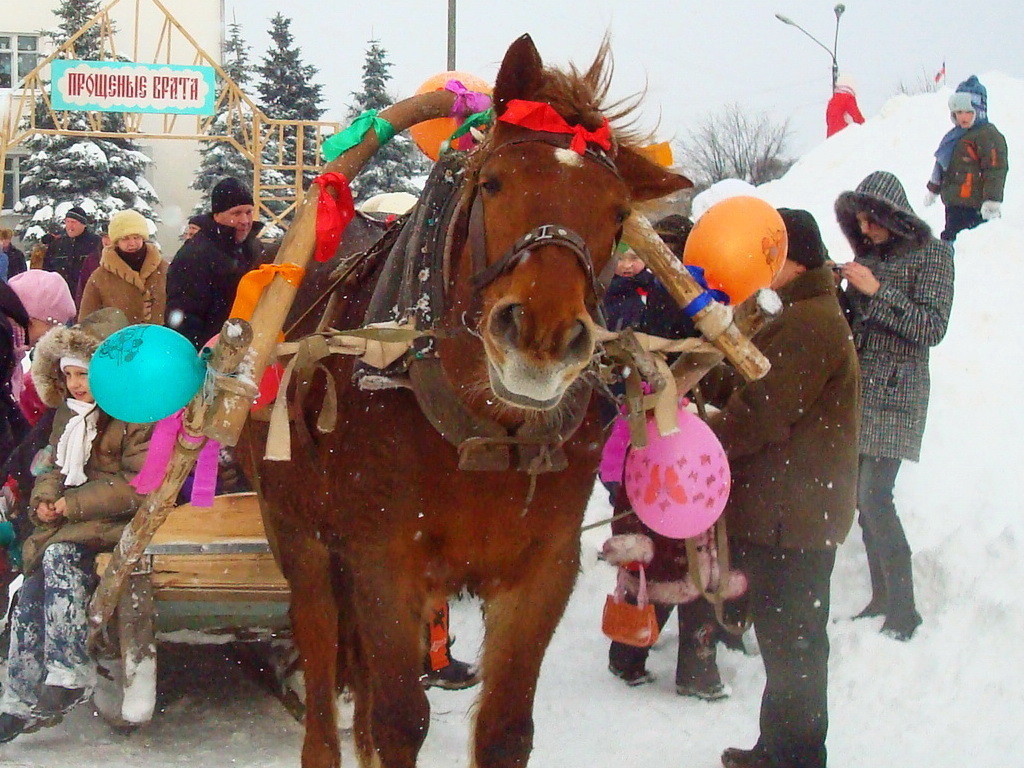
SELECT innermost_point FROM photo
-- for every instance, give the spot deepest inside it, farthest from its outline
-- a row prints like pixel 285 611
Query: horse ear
pixel 647 180
pixel 520 75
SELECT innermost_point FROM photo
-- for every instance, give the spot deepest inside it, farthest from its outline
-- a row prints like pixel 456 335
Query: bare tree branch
pixel 733 144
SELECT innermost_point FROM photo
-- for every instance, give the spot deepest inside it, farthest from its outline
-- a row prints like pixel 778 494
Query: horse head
pixel 551 187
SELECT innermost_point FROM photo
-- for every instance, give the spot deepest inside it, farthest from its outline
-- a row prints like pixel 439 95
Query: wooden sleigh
pixel 207 576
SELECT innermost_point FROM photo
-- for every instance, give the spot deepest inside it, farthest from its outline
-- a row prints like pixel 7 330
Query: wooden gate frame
pixel 260 135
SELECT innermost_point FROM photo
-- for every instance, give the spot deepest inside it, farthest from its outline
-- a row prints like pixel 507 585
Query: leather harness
pixel 482 443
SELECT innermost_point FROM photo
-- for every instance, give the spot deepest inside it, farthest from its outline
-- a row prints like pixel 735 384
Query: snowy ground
pixel 954 696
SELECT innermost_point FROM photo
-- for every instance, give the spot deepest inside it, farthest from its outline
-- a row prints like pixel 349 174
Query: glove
pixel 930 198
pixel 990 210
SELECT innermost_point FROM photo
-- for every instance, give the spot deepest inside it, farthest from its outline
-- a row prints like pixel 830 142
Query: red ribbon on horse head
pixel 537 116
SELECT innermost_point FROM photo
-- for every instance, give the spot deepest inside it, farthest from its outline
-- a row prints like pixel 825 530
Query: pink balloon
pixel 679 483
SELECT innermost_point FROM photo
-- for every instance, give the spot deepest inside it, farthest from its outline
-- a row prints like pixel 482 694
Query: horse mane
pixel 582 98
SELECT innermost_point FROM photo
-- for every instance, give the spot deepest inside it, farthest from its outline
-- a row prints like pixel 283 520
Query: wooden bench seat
pixel 217 553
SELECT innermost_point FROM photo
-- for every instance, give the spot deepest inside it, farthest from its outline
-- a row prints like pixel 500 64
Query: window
pixel 19 55
pixel 12 181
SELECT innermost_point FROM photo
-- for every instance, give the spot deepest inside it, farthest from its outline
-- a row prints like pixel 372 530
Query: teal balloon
pixel 144 373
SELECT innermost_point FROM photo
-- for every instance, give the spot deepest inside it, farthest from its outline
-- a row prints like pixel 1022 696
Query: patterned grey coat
pixel 894 329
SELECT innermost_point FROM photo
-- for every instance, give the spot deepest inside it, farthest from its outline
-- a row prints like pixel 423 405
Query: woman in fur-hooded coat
pixel 80 502
pixel 98 509
pixel 900 294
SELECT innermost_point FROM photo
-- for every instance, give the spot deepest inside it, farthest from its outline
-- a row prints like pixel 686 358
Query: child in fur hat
pixel 81 501
pixel 970 163
pixel 132 275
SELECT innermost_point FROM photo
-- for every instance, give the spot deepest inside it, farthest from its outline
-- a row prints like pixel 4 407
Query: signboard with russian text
pixel 125 86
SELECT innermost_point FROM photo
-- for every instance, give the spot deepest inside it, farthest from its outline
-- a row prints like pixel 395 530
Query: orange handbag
pixel 627 623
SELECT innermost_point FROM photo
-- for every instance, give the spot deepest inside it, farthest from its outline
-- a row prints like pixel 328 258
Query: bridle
pixel 485 273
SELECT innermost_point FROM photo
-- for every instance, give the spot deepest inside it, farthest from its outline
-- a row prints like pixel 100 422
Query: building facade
pixel 141 31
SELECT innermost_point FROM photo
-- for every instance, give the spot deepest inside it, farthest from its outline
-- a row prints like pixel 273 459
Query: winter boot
pixel 12 726
pixel 734 757
pixel 454 676
pixel 901 616
pixel 631 676
pixel 55 701
pixel 442 671
pixel 697 664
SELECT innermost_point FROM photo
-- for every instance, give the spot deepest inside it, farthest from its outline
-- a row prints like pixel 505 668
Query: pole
pixel 829 51
pixel 451 35
pixel 839 10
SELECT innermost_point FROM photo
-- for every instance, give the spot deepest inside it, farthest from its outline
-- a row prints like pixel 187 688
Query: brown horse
pixel 394 510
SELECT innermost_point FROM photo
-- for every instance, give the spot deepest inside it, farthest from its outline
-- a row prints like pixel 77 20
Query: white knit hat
pixel 125 223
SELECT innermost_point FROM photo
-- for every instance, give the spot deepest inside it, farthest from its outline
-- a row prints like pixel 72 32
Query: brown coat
pixel 791 438
pixel 141 295
pixel 97 510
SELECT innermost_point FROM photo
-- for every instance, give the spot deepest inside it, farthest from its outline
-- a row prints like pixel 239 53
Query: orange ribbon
pixel 538 116
pixel 253 283
pixel 332 213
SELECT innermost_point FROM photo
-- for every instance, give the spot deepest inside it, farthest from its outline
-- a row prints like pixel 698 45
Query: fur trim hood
pixel 881 195
pixel 79 341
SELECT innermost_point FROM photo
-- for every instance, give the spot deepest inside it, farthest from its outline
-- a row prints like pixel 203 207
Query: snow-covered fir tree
pixel 102 176
pixel 287 92
pixel 219 158
pixel 397 163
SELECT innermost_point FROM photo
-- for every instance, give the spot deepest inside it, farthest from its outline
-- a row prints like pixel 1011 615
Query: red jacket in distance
pixel 842 110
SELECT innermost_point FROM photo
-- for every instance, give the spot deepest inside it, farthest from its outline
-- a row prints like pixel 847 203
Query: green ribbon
pixel 475 120
pixel 344 140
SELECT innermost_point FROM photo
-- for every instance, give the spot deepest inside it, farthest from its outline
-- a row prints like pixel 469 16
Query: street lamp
pixel 838 10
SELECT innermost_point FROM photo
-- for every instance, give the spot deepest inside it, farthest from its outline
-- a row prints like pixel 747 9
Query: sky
pixel 693 58
pixel 951 697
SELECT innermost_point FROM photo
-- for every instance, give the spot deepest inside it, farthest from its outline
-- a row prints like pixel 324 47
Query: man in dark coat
pixel 66 255
pixel 791 439
pixel 204 274
pixel 900 293
pixel 12 259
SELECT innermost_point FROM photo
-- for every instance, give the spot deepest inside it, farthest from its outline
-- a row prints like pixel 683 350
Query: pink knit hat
pixel 45 295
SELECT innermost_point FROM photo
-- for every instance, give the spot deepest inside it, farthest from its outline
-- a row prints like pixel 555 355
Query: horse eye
pixel 621 216
pixel 490 185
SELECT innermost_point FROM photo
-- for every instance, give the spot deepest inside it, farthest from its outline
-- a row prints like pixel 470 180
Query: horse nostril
pixel 506 322
pixel 578 343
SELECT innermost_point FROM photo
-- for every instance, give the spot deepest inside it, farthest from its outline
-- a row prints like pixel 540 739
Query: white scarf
pixel 75 444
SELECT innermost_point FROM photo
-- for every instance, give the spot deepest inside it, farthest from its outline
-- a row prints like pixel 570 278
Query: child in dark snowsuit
pixel 637 299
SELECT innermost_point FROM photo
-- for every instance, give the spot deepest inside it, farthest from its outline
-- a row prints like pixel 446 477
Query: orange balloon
pixel 741 243
pixel 431 134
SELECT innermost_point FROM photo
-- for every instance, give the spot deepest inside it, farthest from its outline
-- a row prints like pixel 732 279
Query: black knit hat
pixel 228 193
pixel 673 230
pixel 805 245
pixel 75 212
